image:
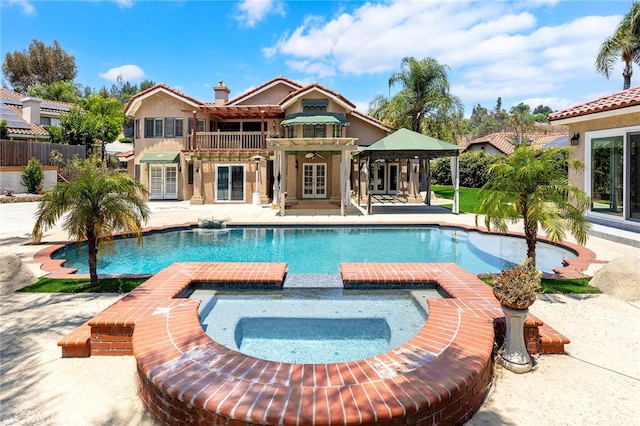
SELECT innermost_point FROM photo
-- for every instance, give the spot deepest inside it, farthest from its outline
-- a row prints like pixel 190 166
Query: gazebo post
pixel 369 207
pixel 455 177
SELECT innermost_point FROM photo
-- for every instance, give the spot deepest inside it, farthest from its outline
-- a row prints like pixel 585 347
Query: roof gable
pixel 136 100
pixel 278 81
pixel 315 87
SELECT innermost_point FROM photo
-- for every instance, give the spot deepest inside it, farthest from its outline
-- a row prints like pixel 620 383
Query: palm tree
pixel 532 184
pixel 424 92
pixel 97 204
pixel 623 44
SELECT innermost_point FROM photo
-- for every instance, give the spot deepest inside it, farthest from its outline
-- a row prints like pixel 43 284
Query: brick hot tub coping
pixel 440 376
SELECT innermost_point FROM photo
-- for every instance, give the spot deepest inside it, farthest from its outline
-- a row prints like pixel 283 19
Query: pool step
pixel 313 281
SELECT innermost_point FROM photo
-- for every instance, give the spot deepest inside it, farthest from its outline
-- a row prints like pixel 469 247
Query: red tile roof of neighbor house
pixel 503 141
pixel 621 99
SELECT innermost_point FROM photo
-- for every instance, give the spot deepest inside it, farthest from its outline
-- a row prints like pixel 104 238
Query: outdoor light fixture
pixel 575 139
pixel 197 168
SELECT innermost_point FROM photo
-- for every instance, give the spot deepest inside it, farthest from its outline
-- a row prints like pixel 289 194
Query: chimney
pixel 222 93
pixel 31 109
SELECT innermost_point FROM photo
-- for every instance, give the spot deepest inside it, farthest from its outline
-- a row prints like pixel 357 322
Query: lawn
pixel 469 199
pixel 561 285
pixel 83 285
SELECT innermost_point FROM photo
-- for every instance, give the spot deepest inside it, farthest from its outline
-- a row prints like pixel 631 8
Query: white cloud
pixel 125 3
pixel 252 12
pixel 493 48
pixel 128 73
pixel 27 6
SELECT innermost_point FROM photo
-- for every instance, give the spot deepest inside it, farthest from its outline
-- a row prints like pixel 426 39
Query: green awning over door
pixel 160 157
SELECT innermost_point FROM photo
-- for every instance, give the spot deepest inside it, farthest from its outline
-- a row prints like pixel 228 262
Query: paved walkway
pixel 598 382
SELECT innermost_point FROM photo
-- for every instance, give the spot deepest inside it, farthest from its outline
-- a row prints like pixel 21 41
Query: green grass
pixel 562 285
pixel 83 285
pixel 469 199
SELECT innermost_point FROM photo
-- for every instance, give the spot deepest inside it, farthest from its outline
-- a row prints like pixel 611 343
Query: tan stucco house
pixel 605 136
pixel 279 141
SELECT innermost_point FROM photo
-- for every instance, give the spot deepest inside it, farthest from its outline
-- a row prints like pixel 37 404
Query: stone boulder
pixel 619 278
pixel 14 274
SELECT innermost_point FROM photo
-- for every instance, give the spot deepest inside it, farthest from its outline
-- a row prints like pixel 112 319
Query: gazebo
pixel 413 146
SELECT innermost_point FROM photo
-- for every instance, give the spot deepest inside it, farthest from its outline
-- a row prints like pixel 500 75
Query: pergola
pixel 410 145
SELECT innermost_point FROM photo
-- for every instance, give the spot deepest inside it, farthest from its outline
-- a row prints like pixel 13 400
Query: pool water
pixel 316 250
pixel 313 325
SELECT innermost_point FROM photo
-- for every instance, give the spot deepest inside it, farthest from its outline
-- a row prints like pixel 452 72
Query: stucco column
pixel 414 181
pixel 197 183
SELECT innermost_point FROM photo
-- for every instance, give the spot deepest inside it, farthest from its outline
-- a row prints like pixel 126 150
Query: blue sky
pixel 535 51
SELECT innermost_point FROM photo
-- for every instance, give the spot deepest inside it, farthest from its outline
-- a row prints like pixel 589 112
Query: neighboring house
pixel 26 115
pixel 279 138
pixel 502 143
pixel 606 138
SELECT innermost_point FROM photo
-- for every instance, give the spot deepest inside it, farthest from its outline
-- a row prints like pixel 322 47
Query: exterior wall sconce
pixel 575 139
pixel 197 168
pixel 296 164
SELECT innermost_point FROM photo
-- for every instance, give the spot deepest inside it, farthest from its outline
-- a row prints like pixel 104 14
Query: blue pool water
pixel 316 250
pixel 313 325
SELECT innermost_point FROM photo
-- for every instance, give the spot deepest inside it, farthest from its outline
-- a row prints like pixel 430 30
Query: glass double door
pixel 384 178
pixel 230 183
pixel 314 180
pixel 615 175
pixel 163 181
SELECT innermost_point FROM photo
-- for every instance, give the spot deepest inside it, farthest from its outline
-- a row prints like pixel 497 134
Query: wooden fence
pixel 18 153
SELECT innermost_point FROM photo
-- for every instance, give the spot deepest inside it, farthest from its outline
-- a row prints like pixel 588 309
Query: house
pixel 502 143
pixel 281 141
pixel 606 138
pixel 26 115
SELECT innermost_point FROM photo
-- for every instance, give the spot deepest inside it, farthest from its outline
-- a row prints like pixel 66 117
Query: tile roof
pixel 13 111
pixel 618 100
pixel 503 141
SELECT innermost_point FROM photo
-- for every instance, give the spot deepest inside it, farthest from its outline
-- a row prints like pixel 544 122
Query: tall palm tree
pixel 425 90
pixel 532 185
pixel 97 204
pixel 623 44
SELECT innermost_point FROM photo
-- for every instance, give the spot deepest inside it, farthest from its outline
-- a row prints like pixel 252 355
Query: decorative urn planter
pixel 516 290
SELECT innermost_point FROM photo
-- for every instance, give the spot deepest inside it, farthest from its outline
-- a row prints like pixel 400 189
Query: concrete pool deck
pixel 39 387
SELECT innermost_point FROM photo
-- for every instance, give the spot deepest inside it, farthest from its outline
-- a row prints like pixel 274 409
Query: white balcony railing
pixel 225 140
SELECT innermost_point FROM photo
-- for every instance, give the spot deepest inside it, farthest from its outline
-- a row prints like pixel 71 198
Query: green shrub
pixel 33 176
pixel 473 169
pixel 126 140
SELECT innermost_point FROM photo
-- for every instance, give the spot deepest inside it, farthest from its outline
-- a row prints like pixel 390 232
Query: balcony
pixel 232 141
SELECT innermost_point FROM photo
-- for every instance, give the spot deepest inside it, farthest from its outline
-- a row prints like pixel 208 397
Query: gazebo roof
pixel 405 143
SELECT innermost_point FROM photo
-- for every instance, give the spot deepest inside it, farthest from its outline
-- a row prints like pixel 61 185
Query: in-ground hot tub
pixel 313 325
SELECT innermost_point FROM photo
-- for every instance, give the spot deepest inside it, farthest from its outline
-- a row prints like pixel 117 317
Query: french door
pixel 230 184
pixel 314 180
pixel 163 181
pixel 384 178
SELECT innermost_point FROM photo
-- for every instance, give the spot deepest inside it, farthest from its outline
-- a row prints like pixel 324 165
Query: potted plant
pixel 516 290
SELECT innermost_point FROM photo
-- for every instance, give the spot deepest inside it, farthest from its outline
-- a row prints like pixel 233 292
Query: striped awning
pixel 315 119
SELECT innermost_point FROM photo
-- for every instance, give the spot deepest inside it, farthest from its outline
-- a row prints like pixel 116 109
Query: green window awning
pixel 160 157
pixel 313 119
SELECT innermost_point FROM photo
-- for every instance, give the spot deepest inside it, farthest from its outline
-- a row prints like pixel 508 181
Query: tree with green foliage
pixel 32 176
pixel 624 44
pixel 522 122
pixel 95 205
pixel 78 128
pixel 4 129
pixel 423 99
pixel 106 115
pixel 473 167
pixel 532 185
pixel 63 91
pixel 38 64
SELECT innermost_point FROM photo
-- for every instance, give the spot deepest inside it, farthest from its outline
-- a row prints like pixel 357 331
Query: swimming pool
pixel 313 325
pixel 317 249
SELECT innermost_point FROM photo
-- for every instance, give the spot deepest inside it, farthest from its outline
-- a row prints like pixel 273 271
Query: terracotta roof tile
pixel 622 99
pixel 503 141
